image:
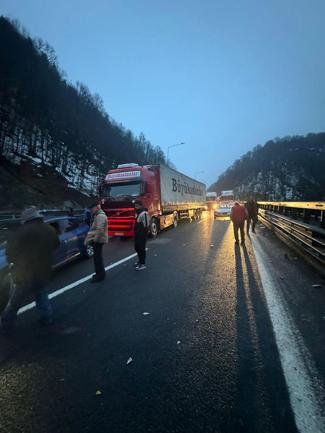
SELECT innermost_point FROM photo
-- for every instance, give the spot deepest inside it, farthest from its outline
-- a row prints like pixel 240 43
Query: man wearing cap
pixel 31 250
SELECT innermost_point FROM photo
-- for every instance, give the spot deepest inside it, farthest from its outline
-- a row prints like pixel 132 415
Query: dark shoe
pixel 97 279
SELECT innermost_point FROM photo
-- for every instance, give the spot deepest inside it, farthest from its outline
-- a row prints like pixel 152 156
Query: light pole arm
pixel 173 145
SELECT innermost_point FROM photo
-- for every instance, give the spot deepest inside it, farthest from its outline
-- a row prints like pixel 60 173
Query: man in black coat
pixel 252 210
pixel 31 250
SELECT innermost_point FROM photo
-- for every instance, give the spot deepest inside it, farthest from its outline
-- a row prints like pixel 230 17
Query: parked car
pixel 71 231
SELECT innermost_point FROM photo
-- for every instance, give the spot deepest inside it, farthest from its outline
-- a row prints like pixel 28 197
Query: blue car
pixel 72 232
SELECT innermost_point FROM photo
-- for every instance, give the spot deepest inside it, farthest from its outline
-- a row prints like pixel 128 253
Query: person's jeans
pixel 98 260
pixel 17 298
pixel 237 227
pixel 44 306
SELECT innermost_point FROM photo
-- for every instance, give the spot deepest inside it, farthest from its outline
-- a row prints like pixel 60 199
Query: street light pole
pixel 173 145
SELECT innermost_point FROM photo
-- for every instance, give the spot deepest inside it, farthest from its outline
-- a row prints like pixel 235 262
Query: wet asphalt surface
pixel 203 360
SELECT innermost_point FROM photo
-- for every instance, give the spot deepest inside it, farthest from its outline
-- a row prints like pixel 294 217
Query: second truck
pixel 167 194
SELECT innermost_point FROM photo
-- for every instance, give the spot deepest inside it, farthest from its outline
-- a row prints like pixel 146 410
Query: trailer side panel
pixel 180 192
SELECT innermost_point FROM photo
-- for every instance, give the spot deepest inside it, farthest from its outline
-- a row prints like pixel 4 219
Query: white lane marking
pixel 75 283
pixel 304 386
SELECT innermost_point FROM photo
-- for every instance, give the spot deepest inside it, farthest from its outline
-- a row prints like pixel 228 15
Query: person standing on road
pixel 98 237
pixel 252 211
pixel 238 216
pixel 31 250
pixel 140 234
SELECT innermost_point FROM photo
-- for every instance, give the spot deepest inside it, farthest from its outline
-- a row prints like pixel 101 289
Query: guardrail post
pixel 322 218
pixel 306 215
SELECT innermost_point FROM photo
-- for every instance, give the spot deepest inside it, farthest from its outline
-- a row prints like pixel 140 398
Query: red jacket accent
pixel 238 214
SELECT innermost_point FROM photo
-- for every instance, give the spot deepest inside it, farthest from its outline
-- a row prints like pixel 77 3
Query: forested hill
pixel 290 168
pixel 47 122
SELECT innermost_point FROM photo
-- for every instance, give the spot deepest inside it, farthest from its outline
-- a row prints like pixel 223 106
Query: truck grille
pixel 120 213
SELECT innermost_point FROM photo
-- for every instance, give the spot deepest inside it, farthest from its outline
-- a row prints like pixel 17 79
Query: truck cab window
pixel 122 189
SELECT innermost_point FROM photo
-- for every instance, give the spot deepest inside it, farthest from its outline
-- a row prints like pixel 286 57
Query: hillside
pixel 54 126
pixel 290 168
pixel 28 183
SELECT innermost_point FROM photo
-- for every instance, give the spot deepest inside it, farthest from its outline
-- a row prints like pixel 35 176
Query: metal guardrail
pixel 306 238
pixel 309 212
pixel 317 205
pixel 9 217
pixel 15 216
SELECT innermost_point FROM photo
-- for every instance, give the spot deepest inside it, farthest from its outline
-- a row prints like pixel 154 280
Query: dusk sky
pixel 220 75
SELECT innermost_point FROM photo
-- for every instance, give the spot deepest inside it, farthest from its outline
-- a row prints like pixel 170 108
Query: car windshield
pixel 121 189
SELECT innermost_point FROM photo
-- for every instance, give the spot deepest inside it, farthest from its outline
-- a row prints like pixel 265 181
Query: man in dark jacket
pixel 140 234
pixel 238 216
pixel 31 250
pixel 252 211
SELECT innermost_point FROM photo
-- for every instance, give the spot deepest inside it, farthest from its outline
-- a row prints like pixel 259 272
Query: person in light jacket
pixel 140 234
pixel 98 236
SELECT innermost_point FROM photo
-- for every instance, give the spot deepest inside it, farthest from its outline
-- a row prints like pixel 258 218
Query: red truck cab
pixel 124 185
pixel 167 194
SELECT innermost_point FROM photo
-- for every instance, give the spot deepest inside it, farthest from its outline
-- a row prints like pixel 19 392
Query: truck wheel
pixel 154 228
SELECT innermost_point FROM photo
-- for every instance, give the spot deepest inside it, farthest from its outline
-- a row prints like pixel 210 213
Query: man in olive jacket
pixel 98 236
pixel 30 249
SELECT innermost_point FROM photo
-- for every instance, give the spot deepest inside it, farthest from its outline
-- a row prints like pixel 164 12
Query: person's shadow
pixel 262 399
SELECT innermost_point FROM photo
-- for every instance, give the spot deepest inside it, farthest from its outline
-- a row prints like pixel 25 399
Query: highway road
pixel 234 342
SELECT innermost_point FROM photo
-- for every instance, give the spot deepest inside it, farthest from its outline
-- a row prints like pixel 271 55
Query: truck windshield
pixel 120 189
